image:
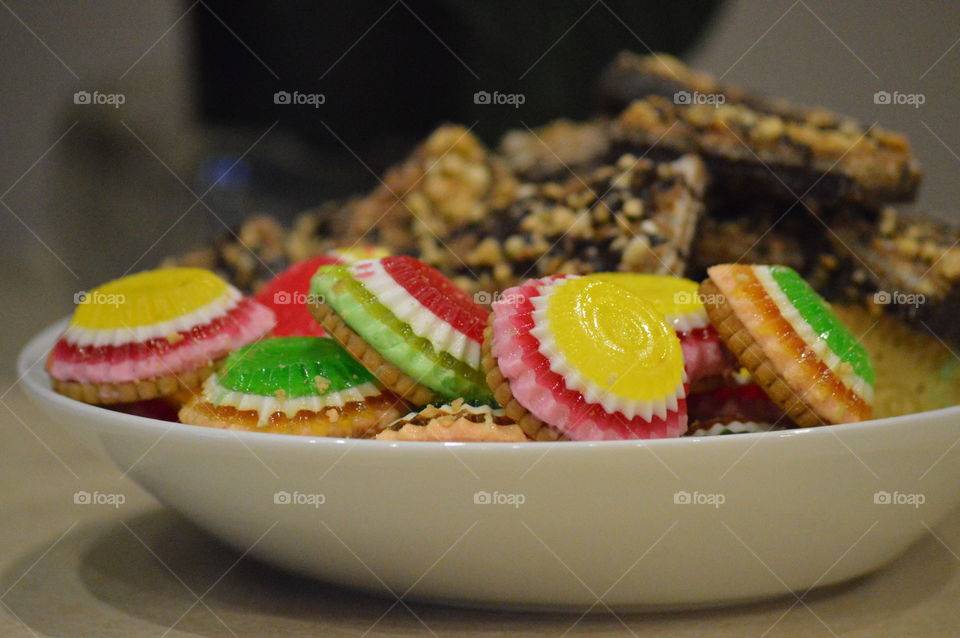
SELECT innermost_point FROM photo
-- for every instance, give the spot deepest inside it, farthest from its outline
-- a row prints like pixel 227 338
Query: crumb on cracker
pixel 322 383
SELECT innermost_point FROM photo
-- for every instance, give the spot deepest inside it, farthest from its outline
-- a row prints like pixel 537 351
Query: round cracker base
pixel 379 419
pixel 130 391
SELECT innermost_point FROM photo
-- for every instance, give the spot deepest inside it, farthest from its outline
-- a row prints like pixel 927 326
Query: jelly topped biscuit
pixel 293 385
pixel 411 326
pixel 152 333
pixel 794 346
pixel 589 359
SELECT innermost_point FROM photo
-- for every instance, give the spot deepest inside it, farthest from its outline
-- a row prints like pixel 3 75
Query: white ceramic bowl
pixel 628 525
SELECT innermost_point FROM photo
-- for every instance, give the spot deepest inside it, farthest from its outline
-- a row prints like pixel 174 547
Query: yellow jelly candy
pixel 619 342
pixel 148 297
pixel 678 299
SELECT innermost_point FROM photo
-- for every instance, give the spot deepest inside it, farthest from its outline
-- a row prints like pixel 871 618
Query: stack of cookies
pixel 676 173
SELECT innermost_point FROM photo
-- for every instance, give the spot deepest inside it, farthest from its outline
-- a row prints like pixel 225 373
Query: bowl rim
pixel 44 339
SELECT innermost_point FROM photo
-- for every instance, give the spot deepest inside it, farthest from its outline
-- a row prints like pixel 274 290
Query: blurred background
pixel 133 130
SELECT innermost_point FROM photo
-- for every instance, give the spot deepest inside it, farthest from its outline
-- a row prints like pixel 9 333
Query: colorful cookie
pixel 806 360
pixel 457 422
pixel 409 325
pixel 151 334
pixel 588 358
pixel 287 293
pixel 294 385
pixel 678 299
